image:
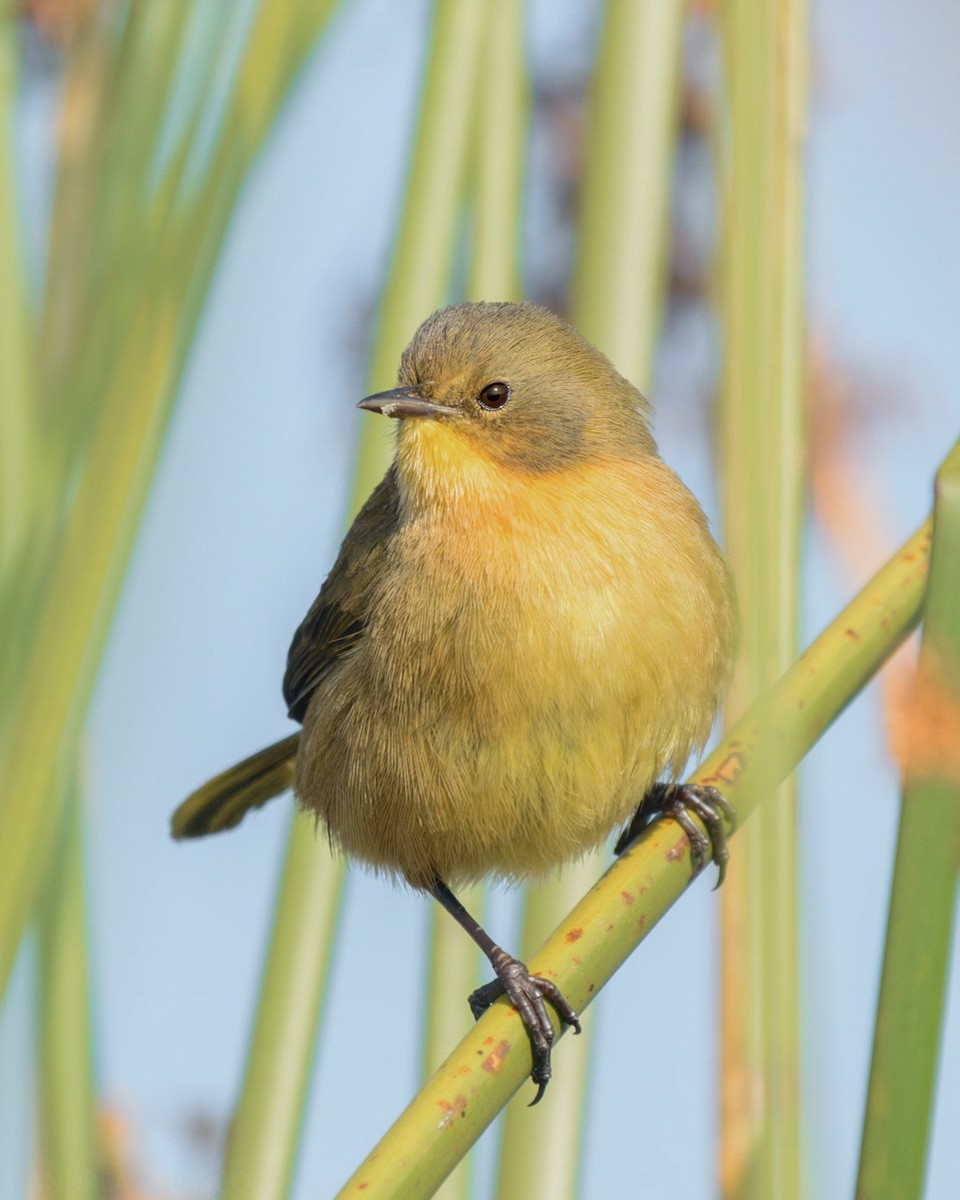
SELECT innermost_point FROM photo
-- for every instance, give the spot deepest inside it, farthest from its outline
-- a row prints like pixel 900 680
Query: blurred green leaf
pixel 67 1100
pixel 125 398
pixel 763 450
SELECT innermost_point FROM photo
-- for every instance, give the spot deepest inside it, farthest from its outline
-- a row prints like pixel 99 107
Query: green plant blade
pixel 266 1124
pixel 763 450
pixel 17 456
pixel 502 114
pixel 68 1129
pixel 493 1060
pixel 622 243
pixel 66 637
pixel 541 1157
pixel 906 1043
pixel 453 971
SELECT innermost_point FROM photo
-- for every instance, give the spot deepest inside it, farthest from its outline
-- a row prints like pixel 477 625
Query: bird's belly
pixel 501 715
pixel 466 783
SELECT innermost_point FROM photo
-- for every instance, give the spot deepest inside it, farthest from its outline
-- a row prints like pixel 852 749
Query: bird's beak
pixel 404 402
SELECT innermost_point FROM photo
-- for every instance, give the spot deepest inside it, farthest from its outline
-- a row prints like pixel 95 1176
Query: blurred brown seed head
pixel 923 713
pixel 843 402
pixel 59 21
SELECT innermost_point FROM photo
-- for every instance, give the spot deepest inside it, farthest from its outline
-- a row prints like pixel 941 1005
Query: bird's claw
pixel 679 801
pixel 528 995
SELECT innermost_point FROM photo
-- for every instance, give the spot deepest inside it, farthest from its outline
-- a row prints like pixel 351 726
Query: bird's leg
pixel 679 800
pixel 527 993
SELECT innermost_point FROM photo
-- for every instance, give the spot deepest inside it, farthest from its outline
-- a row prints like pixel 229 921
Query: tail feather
pixel 226 799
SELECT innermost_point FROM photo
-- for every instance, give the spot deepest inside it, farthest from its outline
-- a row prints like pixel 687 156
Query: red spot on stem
pixel 493 1060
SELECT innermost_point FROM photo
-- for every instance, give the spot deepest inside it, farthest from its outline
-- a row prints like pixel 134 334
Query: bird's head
pixel 515 386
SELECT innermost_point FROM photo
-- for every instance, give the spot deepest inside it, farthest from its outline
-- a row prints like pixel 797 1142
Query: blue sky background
pixel 243 523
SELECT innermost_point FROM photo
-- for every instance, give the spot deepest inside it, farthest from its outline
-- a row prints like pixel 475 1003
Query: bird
pixel 525 636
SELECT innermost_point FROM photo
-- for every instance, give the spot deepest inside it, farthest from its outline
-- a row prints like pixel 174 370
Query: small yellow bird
pixel 527 626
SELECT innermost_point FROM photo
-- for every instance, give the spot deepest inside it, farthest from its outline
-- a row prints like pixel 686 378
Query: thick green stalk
pixel 761 429
pixel 540 1155
pixel 453 971
pixel 493 1060
pixel 266 1125
pixel 426 235
pixel 896 1129
pixel 74 614
pixel 502 113
pixel 264 1142
pixel 67 1101
pixel 622 244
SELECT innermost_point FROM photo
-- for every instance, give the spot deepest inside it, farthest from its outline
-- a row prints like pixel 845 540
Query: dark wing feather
pixel 337 618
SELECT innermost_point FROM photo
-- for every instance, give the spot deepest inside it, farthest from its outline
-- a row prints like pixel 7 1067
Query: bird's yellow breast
pixel 538 649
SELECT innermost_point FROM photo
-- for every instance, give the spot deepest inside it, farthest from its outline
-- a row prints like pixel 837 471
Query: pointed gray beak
pixel 404 402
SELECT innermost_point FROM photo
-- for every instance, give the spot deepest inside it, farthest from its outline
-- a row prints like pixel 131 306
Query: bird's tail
pixel 226 799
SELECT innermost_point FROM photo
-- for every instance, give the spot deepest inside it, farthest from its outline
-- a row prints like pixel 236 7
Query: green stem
pixel 67 1097
pixel 501 142
pixel 69 630
pixel 493 1060
pixel 763 438
pixel 896 1128
pixel 453 971
pixel 266 1124
pixel 542 1158
pixel 17 463
pixel 622 244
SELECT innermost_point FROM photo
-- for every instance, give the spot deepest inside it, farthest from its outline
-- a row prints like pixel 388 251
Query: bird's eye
pixel 494 395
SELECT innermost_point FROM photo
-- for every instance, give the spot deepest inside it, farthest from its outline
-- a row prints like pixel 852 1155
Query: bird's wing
pixel 335 623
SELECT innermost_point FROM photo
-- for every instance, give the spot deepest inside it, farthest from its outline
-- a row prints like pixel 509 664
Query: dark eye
pixel 494 395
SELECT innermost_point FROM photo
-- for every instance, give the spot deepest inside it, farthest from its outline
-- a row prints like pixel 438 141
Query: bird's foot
pixel 679 801
pixel 528 994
